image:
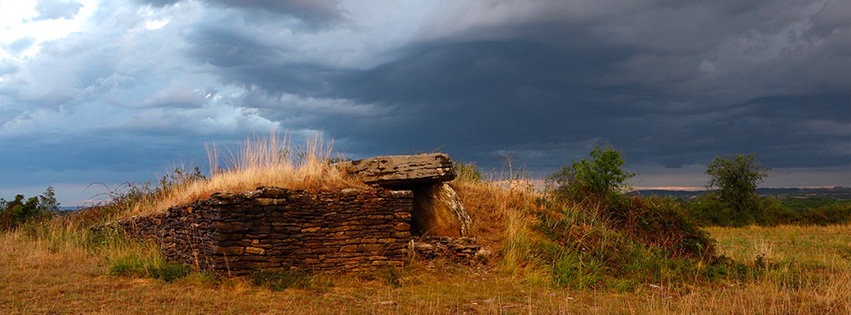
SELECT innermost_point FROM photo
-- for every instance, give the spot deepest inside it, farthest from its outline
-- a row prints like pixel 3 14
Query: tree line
pixel 733 201
pixel 20 210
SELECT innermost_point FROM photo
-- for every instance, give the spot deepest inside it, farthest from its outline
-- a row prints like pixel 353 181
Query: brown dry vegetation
pixel 269 161
pixel 62 267
pixel 56 274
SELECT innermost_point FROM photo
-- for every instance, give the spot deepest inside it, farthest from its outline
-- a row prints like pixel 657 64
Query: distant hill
pixel 837 192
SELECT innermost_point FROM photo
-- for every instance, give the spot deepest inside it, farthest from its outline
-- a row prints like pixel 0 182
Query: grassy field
pixel 646 259
pixel 807 271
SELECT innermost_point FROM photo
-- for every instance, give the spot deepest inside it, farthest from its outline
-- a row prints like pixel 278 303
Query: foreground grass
pixel 808 271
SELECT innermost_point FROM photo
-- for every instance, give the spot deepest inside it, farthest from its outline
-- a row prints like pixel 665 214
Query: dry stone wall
pixel 437 209
pixel 274 228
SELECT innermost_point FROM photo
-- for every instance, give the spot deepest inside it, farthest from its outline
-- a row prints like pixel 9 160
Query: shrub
pixel 594 180
pixel 709 209
pixel 736 179
pixel 772 212
pixel 629 243
pixel 835 213
pixel 662 223
pixel 22 210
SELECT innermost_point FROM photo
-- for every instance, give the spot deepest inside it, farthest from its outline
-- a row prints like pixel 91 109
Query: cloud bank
pixel 141 84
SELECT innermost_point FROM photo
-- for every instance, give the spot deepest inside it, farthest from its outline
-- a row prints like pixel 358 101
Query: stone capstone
pixel 402 170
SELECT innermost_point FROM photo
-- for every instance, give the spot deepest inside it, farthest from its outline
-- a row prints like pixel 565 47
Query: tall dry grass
pixel 502 212
pixel 266 161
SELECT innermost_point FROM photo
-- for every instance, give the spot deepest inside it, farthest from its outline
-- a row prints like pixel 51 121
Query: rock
pixel 273 228
pixel 402 170
pixel 454 248
pixel 438 211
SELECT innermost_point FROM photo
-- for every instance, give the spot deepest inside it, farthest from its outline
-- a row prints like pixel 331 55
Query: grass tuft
pixel 267 161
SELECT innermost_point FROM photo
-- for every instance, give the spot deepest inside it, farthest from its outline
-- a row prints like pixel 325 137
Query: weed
pixel 147 266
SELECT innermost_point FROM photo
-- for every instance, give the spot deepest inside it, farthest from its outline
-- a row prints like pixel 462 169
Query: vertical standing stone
pixel 438 211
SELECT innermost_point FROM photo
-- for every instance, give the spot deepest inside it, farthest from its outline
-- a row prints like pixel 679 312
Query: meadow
pixel 548 255
pixel 808 271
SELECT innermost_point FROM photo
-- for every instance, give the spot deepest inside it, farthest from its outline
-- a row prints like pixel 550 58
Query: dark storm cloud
pixel 56 9
pixel 671 83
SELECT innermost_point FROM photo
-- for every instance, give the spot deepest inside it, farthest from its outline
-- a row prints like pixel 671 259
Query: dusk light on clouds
pixel 122 91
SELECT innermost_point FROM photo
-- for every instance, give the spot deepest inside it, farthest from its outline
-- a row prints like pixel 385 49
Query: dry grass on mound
pixel 269 161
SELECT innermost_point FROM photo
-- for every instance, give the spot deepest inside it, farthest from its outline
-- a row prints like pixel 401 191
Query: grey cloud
pixel 833 16
pixel 671 83
pixel 19 45
pixel 159 3
pixel 319 12
pixel 177 95
pixel 7 67
pixel 56 9
pixel 549 88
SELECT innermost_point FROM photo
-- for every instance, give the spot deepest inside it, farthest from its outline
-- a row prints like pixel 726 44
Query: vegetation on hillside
pixel 596 237
pixel 582 239
pixel 21 210
pixel 735 202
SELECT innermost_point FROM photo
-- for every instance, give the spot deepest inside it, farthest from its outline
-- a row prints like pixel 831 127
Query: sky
pixel 94 94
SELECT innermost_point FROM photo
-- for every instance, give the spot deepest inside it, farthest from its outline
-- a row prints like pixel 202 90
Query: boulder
pixel 438 211
pixel 403 170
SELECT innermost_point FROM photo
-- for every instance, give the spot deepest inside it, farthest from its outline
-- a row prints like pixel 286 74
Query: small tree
pixel 47 200
pixel 736 179
pixel 598 179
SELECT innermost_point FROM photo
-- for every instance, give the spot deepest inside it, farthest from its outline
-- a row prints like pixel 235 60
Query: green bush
pixel 595 237
pixel 771 212
pixel 636 241
pixel 736 178
pixel 22 210
pixel 835 213
pixel 592 180
pixel 709 209
pixel 662 223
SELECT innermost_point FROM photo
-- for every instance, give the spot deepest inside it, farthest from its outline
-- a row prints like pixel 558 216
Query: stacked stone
pixel 348 230
pixel 273 228
pixel 455 248
pixel 438 210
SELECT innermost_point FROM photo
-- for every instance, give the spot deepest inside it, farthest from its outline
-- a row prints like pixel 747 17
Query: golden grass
pixel 53 270
pixel 39 277
pixel 826 246
pixel 268 161
pixel 63 268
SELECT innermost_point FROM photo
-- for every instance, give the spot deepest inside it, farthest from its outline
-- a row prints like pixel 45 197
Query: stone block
pixel 402 170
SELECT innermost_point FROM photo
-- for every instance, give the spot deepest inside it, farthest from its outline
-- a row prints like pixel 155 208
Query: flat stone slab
pixel 402 170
